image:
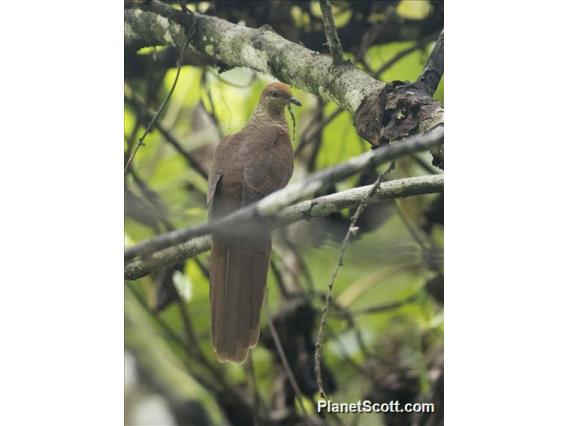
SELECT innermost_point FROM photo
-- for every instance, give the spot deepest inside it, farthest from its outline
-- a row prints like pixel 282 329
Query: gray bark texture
pixel 317 207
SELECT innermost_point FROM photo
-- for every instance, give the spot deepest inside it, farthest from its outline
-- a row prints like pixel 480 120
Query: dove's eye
pixel 274 93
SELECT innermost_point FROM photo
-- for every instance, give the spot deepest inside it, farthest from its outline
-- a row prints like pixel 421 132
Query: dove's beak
pixel 294 101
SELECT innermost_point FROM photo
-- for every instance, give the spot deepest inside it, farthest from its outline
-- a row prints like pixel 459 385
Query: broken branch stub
pixel 398 110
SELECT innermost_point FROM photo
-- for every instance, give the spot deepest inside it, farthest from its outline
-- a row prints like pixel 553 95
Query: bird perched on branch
pixel 247 166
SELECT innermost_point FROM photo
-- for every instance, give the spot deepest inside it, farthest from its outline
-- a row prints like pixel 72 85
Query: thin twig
pixel 309 134
pixel 258 403
pixel 422 242
pixel 159 111
pixel 427 167
pixel 402 54
pixel 213 113
pixel 351 231
pixel 304 270
pixel 169 137
pixel 385 307
pixel 204 269
pixel 284 360
pixel 157 209
pixel 132 137
pixel 219 385
pixel 315 126
pixel 313 156
pixel 331 33
pixel 366 66
pixel 197 353
pixel 279 278
pixel 192 340
pixel 348 317
pixel 374 33
pixel 171 335
pixel 430 252
pixel 189 159
pixel 345 353
pixel 212 386
pixel 183 5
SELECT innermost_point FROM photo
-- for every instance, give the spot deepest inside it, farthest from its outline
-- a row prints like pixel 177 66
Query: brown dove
pixel 247 166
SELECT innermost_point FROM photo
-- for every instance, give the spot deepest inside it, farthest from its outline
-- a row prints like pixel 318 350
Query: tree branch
pixel 259 49
pixel 331 36
pixel 434 68
pixel 284 360
pixel 318 207
pixel 273 203
pixel 263 50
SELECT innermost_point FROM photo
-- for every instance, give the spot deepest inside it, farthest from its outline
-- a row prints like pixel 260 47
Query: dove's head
pixel 275 97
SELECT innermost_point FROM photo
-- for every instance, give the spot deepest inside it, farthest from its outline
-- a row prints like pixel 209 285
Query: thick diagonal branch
pixel 318 207
pixel 410 108
pixel 152 23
